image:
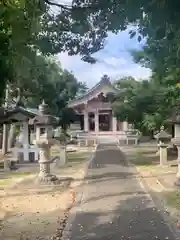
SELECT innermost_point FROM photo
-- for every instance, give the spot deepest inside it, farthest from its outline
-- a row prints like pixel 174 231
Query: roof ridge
pixel 104 80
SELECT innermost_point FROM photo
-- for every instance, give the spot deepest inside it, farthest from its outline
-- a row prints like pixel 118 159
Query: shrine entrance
pixel 91 119
pixel 105 122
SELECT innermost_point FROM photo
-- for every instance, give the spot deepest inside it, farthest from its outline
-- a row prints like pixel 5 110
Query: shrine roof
pixel 93 92
pixel 16 114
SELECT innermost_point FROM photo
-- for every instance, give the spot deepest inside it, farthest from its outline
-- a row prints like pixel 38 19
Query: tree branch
pixel 70 7
pixel 66 7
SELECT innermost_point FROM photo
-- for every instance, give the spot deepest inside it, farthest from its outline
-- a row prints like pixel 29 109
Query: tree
pixel 143 104
pixel 46 80
pixel 41 31
pixel 146 104
pixel 18 18
pixel 81 28
pixel 82 89
pixel 152 19
pixel 161 57
pixel 125 82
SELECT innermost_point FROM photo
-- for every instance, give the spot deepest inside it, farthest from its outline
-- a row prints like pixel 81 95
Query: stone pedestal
pixel 176 142
pixel 44 153
pixel 6 165
pixel 163 138
pixel 163 153
pixel 45 175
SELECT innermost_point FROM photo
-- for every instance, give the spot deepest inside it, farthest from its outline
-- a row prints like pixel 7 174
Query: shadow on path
pixel 117 208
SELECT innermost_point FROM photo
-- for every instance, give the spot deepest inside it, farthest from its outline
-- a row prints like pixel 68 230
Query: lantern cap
pixel 163 135
pixel 44 118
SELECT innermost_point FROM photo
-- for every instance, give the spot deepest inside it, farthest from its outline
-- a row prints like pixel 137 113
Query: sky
pixel 114 60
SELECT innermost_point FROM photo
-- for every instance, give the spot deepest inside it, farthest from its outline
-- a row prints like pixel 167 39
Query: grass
pixel 4 182
pixel 141 160
pixel 173 199
pixel 19 174
pixel 74 157
pixel 77 157
pixel 9 177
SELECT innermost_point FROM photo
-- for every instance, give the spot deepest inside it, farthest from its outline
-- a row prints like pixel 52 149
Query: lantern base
pixel 48 180
pixel 177 182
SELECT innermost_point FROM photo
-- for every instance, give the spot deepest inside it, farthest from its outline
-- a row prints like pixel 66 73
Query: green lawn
pixel 140 160
pixel 5 182
pixel 78 157
pixel 143 158
pixel 173 199
pixel 8 178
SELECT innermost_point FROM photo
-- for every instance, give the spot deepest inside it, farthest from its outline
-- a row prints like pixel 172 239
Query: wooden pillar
pixel 96 121
pixel 86 121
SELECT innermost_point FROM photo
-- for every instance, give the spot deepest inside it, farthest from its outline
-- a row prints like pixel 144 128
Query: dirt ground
pixel 40 213
pixel 33 216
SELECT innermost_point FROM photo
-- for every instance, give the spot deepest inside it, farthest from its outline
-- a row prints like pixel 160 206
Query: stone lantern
pixel 175 119
pixel 44 123
pixel 163 138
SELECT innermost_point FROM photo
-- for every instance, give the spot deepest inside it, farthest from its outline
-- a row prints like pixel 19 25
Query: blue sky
pixel 114 60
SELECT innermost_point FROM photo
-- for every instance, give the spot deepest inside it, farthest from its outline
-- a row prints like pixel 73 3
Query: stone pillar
pixel 6 165
pixel 178 159
pixel 125 126
pixel 26 141
pixel 63 155
pixel 25 133
pixel 38 130
pixel 114 124
pixel 86 121
pixel 163 153
pixel 176 130
pixel 96 121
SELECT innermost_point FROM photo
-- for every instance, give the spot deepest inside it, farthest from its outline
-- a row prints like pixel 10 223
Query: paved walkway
pixel 114 204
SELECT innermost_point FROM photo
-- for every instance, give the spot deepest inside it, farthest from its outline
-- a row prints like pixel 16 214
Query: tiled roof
pixel 103 82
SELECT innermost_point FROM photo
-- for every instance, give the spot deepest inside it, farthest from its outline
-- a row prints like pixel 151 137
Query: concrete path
pixel 114 204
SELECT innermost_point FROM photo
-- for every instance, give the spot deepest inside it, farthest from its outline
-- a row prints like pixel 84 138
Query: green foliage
pixel 51 83
pixel 31 29
pixel 125 82
pixel 146 104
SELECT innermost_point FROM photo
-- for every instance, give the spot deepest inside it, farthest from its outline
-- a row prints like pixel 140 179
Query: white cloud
pixel 91 73
pixel 114 60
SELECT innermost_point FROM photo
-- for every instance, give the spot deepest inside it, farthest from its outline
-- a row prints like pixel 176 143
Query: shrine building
pixel 95 111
